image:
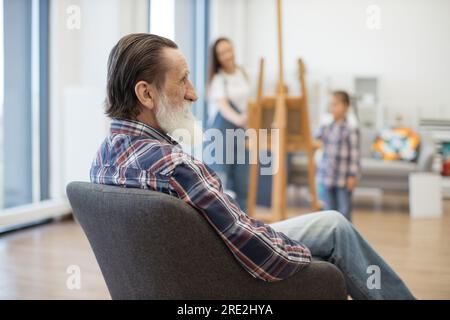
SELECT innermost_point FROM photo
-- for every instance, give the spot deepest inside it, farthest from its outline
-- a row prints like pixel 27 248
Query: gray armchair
pixel 150 245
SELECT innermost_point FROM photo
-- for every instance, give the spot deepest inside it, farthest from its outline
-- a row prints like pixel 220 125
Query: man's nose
pixel 191 95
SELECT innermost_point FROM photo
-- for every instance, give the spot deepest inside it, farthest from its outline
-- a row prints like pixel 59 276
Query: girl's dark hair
pixel 214 64
pixel 342 96
pixel 134 58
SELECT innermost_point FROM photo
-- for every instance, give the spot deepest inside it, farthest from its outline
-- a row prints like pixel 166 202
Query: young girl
pixel 340 165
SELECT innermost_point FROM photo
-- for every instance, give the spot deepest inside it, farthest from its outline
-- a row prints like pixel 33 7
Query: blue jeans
pixel 330 237
pixel 339 199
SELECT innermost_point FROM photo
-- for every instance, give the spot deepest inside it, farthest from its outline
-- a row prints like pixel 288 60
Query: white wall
pixel 78 59
pixel 410 53
pixel 229 18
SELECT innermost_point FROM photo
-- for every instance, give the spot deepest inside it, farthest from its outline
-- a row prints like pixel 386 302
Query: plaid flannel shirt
pixel 341 154
pixel 138 156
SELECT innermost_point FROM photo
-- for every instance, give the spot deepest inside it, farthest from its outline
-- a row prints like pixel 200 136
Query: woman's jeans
pixel 330 237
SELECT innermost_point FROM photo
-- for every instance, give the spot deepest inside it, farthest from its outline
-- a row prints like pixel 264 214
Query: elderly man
pixel 149 95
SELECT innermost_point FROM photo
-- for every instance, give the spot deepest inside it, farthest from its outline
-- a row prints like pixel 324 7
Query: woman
pixel 228 95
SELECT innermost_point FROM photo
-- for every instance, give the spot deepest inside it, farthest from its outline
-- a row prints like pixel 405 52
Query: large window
pixel 23 104
pixel 2 82
pixel 187 23
pixel 162 18
pixel 43 101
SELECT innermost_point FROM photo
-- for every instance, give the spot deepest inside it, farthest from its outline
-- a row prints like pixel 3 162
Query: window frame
pixel 27 163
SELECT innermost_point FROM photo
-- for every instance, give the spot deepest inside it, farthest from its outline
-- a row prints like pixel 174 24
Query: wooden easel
pixel 288 114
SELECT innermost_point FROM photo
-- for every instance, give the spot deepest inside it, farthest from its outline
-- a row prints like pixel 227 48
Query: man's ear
pixel 145 94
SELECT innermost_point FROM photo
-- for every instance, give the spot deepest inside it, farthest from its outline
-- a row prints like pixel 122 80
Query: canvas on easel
pixel 288 115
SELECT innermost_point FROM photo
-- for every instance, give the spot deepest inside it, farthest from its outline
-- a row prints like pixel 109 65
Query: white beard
pixel 179 122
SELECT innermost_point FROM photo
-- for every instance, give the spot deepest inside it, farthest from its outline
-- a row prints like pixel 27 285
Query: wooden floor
pixel 34 261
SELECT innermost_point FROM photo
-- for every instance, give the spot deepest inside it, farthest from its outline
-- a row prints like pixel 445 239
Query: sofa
pixel 391 176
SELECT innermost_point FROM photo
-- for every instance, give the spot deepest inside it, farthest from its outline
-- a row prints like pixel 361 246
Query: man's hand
pixel 351 183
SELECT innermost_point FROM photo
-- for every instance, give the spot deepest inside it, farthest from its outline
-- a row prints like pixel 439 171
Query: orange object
pixel 397 144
